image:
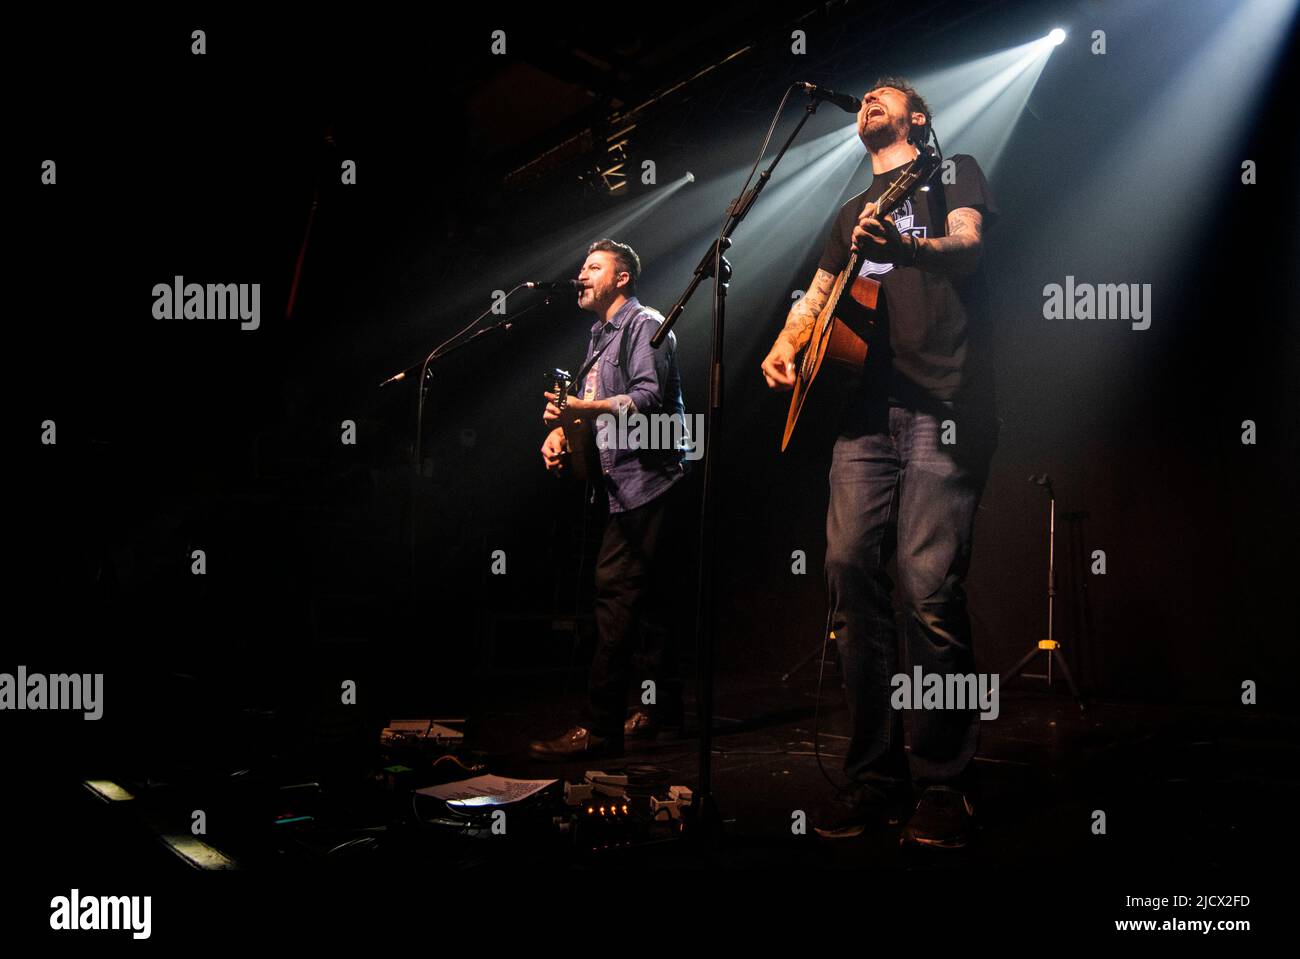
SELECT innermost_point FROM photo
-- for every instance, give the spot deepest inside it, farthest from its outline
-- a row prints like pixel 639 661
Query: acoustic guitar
pixel 840 336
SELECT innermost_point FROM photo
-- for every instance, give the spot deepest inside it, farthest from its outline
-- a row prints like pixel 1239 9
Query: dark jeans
pixel 633 598
pixel 896 489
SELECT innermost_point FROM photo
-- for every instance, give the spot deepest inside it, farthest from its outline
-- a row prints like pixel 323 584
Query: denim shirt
pixel 651 380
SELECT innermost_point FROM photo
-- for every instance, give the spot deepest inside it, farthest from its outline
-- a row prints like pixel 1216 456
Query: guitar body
pixel 837 351
pixel 580 438
pixel 838 347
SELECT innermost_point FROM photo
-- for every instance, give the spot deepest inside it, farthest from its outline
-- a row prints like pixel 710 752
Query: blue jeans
pixel 896 489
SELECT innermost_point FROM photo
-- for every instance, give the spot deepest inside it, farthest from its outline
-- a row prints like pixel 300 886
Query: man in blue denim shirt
pixel 623 378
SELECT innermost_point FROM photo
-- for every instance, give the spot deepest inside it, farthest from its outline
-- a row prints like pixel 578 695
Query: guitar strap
pixel 937 201
pixel 623 347
pixel 586 367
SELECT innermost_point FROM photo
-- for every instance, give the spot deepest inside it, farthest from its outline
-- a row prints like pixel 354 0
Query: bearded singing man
pixel 624 375
pixel 908 469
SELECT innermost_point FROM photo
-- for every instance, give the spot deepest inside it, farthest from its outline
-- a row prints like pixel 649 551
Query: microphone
pixel 842 100
pixel 556 286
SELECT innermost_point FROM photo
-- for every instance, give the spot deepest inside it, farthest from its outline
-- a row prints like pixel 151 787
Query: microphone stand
pixel 1050 645
pixel 706 823
pixel 444 349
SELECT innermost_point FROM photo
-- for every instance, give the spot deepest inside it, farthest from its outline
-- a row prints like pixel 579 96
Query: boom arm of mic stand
pixel 501 327
pixel 425 368
pixel 737 212
pixel 704 269
pixel 422 389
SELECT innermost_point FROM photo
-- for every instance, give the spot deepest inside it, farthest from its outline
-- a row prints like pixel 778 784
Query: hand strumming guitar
pixel 553 450
pixel 779 367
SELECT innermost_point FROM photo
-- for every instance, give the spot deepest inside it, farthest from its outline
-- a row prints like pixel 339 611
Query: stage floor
pixel 1201 787
pixel 1194 799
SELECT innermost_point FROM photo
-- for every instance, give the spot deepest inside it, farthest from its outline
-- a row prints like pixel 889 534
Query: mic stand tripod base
pixel 1055 657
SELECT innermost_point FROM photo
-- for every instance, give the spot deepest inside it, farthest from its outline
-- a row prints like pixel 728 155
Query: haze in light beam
pixel 1176 149
pixel 565 248
pixel 976 105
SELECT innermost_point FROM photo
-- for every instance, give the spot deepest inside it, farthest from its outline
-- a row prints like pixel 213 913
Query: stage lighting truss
pixel 613 170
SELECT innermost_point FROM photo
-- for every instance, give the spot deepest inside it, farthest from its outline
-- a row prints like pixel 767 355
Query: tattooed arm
pixel 958 253
pixel 799 322
pixel 778 367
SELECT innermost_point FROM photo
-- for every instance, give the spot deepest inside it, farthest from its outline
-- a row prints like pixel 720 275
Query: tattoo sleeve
pixel 958 253
pixel 799 322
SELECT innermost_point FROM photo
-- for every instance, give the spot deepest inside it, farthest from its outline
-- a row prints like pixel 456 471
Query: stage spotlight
pixel 978 103
pixel 1057 37
pixel 690 177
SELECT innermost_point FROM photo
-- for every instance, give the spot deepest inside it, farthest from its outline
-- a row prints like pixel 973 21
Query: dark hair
pixel 919 135
pixel 624 255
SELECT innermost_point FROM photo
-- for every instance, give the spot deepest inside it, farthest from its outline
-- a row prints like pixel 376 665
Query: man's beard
pixel 881 135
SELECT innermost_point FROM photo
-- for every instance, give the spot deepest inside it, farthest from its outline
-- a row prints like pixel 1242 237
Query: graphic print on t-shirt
pixel 904 219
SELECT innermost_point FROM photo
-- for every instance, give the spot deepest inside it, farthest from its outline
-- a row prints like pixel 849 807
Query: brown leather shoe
pixel 578 743
pixel 640 725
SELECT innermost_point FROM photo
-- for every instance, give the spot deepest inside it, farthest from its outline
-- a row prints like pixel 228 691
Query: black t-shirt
pixel 937 324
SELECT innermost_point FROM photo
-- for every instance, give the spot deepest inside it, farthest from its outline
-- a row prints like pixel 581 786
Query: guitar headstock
pixel 559 382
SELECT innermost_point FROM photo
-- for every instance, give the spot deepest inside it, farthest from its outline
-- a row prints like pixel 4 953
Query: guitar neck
pixel 893 197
